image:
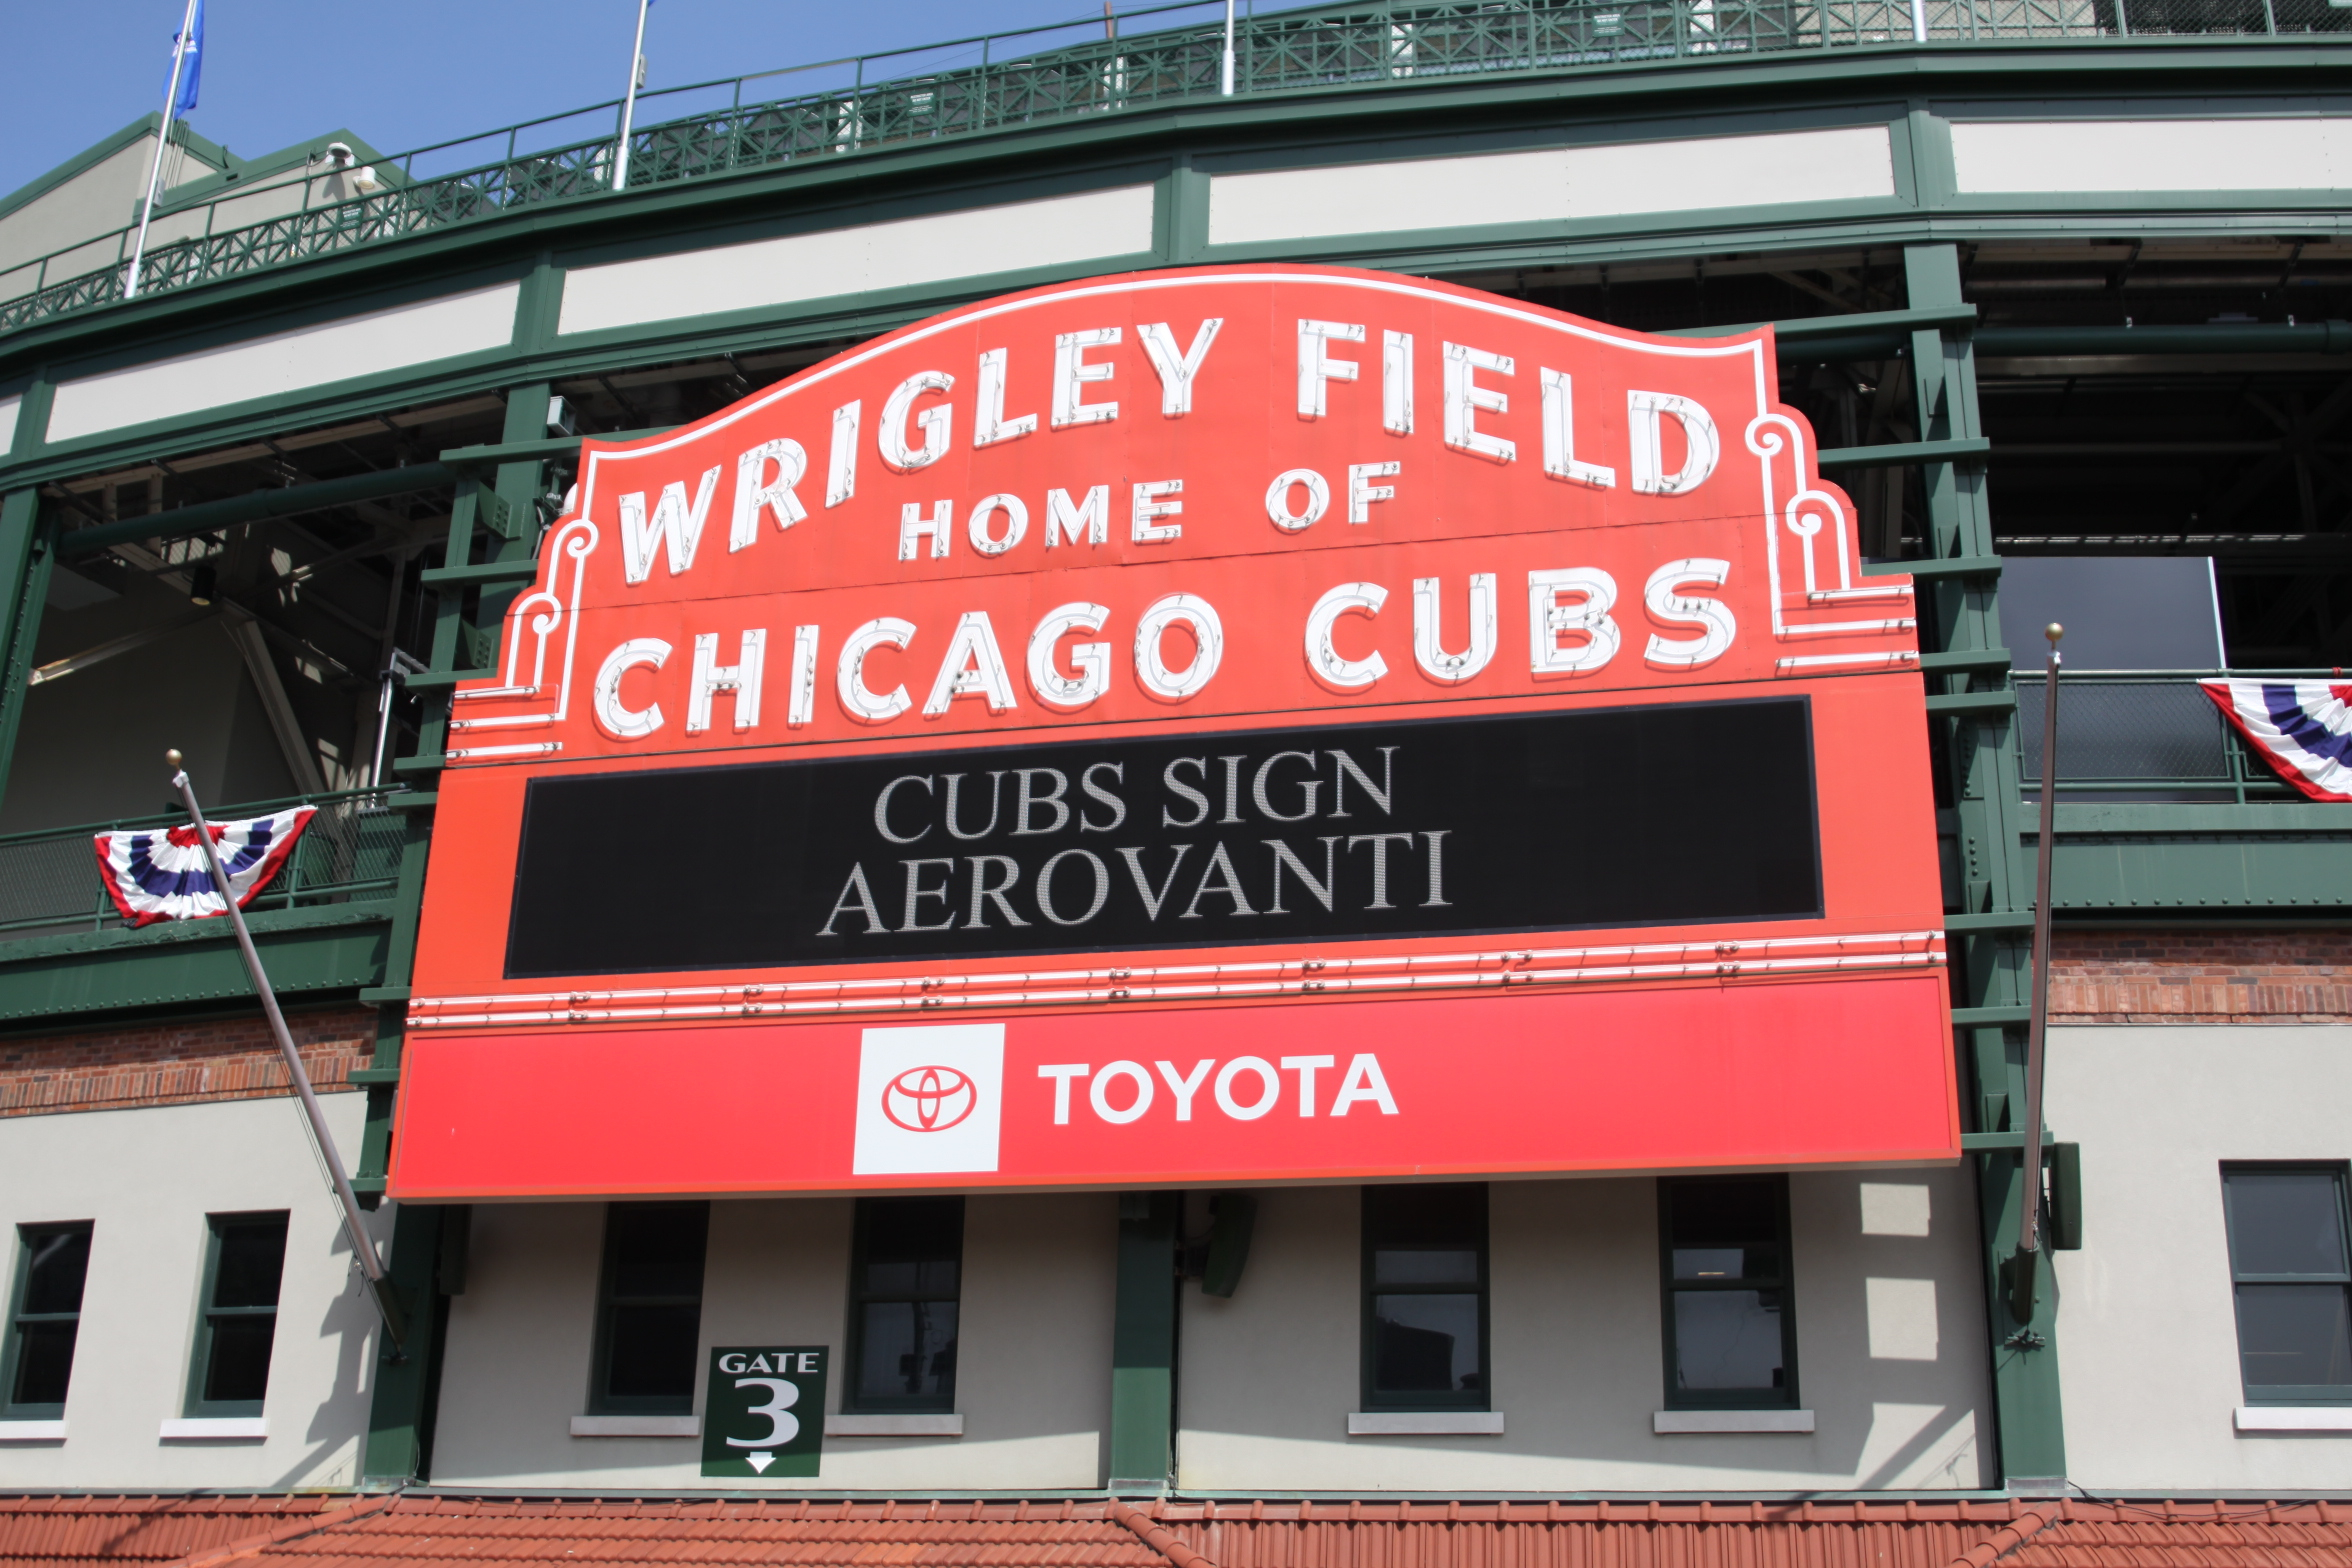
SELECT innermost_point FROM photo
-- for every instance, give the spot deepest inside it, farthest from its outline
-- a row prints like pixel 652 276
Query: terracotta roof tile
pixel 139 1529
pixel 431 1531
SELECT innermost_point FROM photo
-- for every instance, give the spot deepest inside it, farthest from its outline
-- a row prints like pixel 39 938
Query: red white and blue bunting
pixel 2302 728
pixel 160 874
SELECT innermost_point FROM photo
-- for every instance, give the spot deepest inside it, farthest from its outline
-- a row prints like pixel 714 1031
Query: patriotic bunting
pixel 161 874
pixel 2302 728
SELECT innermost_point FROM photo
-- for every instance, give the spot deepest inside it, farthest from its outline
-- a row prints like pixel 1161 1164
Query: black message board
pixel 1523 822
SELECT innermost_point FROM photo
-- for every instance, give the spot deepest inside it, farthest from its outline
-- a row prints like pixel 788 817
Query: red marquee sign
pixel 1240 724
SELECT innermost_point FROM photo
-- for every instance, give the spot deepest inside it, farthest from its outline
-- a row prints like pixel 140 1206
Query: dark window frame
pixel 28 1240
pixel 855 1398
pixel 1404 1401
pixel 601 1401
pixel 2287 1393
pixel 1784 1397
pixel 200 1361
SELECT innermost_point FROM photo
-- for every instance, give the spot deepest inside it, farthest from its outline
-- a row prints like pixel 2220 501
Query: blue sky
pixel 403 73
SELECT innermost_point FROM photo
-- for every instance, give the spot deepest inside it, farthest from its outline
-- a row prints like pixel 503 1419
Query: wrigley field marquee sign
pixel 1225 725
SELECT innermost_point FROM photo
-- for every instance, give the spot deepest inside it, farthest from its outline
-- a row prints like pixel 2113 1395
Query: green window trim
pixel 649 1309
pixel 2258 1294
pixel 1388 1231
pixel 936 1282
pixel 29 1319
pixel 1769 1277
pixel 237 1316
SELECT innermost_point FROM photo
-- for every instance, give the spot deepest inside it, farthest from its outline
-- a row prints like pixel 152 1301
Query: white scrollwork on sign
pixel 538 617
pixel 1804 517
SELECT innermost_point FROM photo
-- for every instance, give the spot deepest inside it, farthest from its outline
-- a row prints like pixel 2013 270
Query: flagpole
pixel 395 1322
pixel 2029 1223
pixel 629 102
pixel 1228 48
pixel 171 101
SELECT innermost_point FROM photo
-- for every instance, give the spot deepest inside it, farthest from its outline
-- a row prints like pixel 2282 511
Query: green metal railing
pixel 721 125
pixel 2147 735
pixel 50 883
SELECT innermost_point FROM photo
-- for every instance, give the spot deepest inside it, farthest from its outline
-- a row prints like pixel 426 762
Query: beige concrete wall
pixel 147 1179
pixel 1891 1350
pixel 1033 1356
pixel 2147 1324
pixel 101 198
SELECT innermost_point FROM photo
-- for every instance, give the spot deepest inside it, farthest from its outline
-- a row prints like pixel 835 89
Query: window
pixel 242 1268
pixel 649 1317
pixel 1731 1333
pixel 906 1272
pixel 1425 1297
pixel 47 1312
pixel 2288 1261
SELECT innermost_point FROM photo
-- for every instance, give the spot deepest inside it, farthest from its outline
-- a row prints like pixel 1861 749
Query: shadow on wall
pixel 1890 1351
pixel 91 744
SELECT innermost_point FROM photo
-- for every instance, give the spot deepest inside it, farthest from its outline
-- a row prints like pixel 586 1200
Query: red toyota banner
pixel 1216 725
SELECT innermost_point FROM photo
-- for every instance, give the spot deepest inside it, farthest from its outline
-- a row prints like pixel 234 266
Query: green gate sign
pixel 764 1414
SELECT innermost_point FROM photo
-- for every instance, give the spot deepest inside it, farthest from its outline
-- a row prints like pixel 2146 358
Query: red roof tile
pixel 139 1529
pixel 389 1532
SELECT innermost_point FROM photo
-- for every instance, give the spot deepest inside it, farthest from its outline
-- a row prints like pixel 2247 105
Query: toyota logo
pixel 929 1099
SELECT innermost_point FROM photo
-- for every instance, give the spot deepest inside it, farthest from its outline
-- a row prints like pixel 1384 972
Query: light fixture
pixel 201 583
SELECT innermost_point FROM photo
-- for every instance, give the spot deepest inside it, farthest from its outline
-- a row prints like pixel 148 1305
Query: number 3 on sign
pixel 783 1425
pixel 764 1412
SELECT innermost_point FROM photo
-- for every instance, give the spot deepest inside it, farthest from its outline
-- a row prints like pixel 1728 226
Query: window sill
pixel 636 1426
pixel 32 1431
pixel 942 1423
pixel 215 1429
pixel 2294 1418
pixel 1674 1423
pixel 1425 1423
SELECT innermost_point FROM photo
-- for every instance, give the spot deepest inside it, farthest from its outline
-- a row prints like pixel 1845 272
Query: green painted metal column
pixel 503 517
pixel 400 1415
pixel 27 550
pixel 1960 636
pixel 1143 1344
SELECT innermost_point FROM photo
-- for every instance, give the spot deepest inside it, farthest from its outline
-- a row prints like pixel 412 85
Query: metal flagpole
pixel 395 1322
pixel 1228 48
pixel 171 102
pixel 2029 1225
pixel 629 102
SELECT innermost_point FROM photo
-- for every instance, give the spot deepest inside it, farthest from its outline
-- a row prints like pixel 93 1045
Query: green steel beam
pixel 288 501
pixel 2276 859
pixel 1959 613
pixel 534 450
pixel 326 948
pixel 1143 1344
pixel 2241 337
pixel 1957 450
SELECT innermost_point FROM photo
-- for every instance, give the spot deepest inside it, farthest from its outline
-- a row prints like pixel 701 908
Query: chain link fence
pixel 2140 737
pixel 51 884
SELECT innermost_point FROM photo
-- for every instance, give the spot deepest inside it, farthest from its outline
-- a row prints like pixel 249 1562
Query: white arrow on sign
pixel 759 1462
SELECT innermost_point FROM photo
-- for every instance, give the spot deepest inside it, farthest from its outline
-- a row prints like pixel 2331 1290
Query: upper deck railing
pixel 967 86
pixel 2147 735
pixel 50 883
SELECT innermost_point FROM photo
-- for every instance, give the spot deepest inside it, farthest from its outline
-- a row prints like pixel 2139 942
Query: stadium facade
pixel 2060 288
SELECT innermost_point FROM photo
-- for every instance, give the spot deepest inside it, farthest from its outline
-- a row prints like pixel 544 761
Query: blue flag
pixel 191 64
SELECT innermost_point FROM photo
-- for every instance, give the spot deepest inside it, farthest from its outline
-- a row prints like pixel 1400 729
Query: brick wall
pixel 180 1064
pixel 2211 977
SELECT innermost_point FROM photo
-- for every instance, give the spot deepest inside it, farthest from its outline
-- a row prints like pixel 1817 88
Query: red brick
pixel 180 1063
pixel 2244 977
